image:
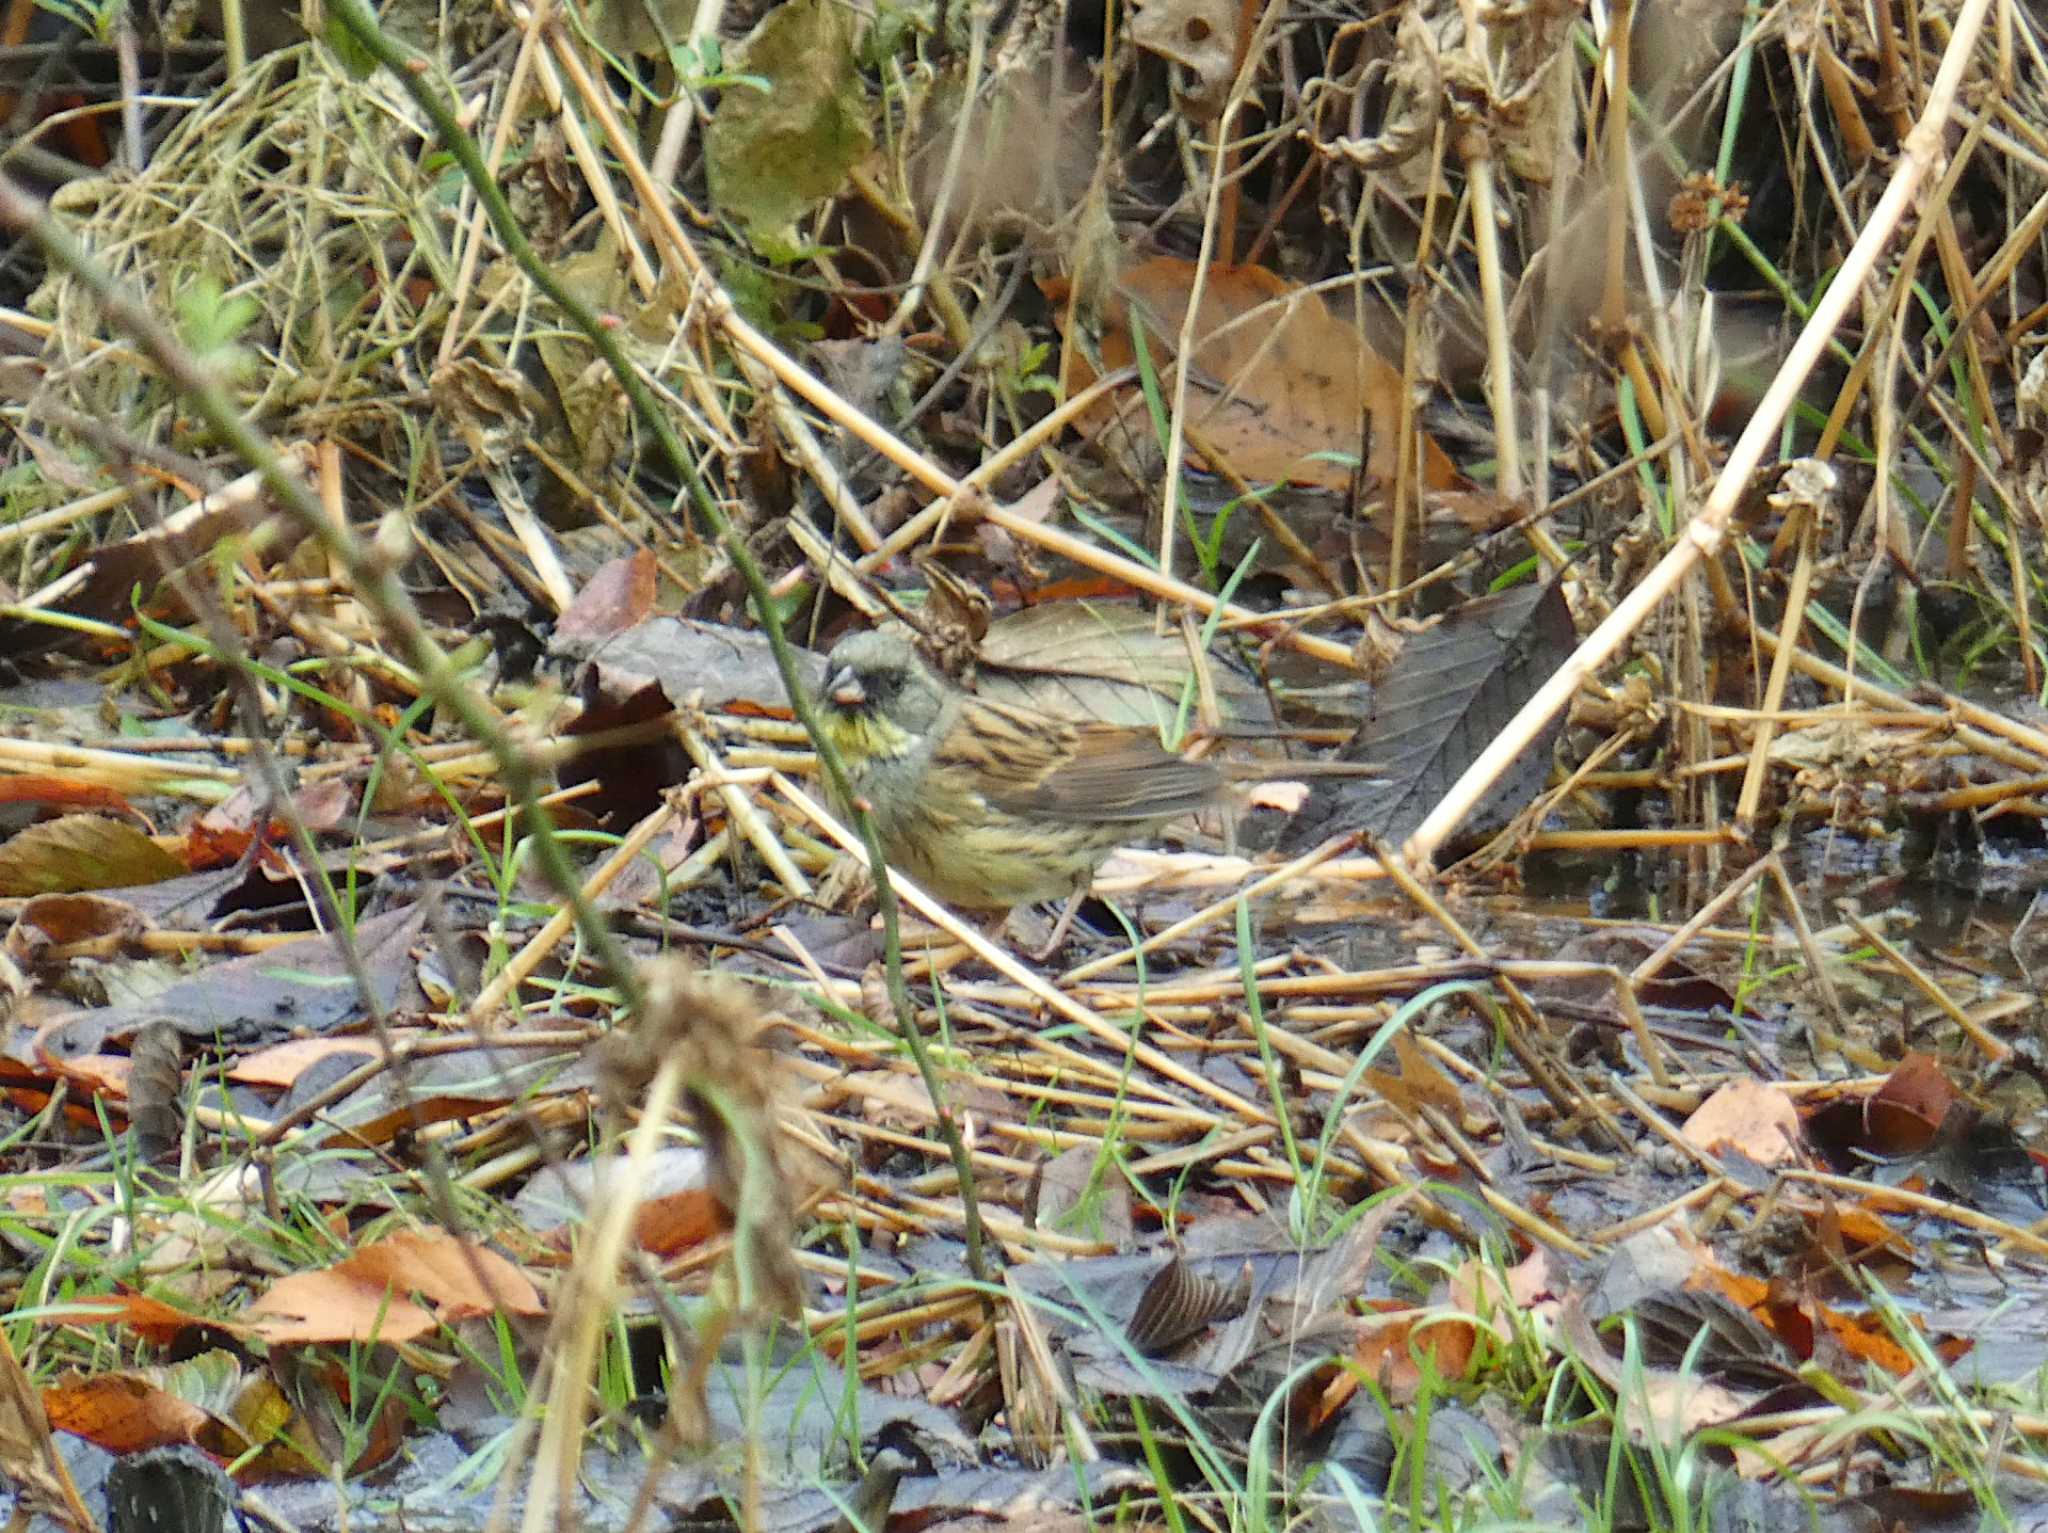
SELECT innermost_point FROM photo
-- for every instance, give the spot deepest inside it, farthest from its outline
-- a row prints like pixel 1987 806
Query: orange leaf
pixel 64 792
pixel 123 1412
pixel 1748 1116
pixel 283 1063
pixel 365 1297
pixel 151 1319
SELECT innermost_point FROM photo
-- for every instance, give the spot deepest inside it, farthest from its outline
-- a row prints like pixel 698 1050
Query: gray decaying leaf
pixel 1458 1448
pixel 1456 686
pixel 1278 1296
pixel 1695 1328
pixel 705 662
pixel 302 986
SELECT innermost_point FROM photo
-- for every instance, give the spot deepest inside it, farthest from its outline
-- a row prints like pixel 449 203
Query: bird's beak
pixel 845 690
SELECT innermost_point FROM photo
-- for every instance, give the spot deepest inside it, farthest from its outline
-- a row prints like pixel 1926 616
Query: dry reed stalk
pixel 1702 536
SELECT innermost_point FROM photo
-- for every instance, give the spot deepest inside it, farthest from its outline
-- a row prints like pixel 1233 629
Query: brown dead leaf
pixel 1917 1087
pixel 669 1226
pixel 100 1074
pixel 213 1401
pixel 156 1078
pixel 1803 1322
pixel 1393 1348
pixel 153 1320
pixel 677 1210
pixel 283 1063
pixel 58 792
pixel 1421 1083
pixel 123 1412
pixel 1901 1118
pixel 1277 377
pixel 615 598
pixel 1392 1351
pixel 223 835
pixel 55 920
pixel 890 1099
pixel 1075 1198
pixel 365 1297
pixel 1665 1401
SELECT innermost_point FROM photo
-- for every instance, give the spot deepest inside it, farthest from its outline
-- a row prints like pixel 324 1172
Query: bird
pixel 987 805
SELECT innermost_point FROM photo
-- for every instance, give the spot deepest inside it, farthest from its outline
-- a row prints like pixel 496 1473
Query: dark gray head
pixel 878 671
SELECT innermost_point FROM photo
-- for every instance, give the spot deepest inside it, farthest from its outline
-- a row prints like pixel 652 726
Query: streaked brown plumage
pixel 984 804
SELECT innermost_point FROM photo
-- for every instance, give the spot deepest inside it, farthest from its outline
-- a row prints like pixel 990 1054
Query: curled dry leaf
pixel 154 1077
pixel 1201 37
pixel 28 1454
pixel 875 1004
pixel 954 622
pixel 1180 1303
pixel 56 920
pixel 1415 101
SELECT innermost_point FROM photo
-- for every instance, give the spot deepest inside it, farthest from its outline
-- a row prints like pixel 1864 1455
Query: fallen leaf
pixel 1749 1117
pixel 365 1298
pixel 1276 380
pixel 283 1063
pixel 55 920
pixel 63 792
pixel 1456 685
pixel 29 1459
pixel 153 1320
pixel 82 851
pixel 773 153
pixel 615 598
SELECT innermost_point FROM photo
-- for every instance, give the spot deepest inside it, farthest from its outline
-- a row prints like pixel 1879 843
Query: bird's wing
pixel 1029 764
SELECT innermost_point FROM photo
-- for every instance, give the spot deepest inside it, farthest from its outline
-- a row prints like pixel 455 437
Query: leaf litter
pixel 1290 383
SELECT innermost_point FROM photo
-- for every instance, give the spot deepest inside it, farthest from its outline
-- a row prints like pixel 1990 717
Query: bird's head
pixel 879 693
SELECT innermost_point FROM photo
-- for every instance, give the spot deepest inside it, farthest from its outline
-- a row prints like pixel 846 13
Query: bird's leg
pixel 1064 925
